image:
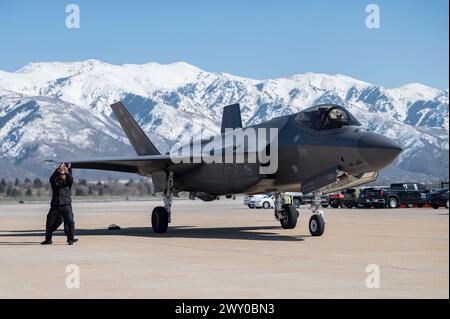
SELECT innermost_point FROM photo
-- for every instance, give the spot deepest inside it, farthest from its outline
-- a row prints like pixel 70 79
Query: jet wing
pixel 143 165
pixel 155 166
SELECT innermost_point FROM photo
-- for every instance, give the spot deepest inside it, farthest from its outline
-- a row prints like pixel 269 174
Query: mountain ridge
pixel 165 98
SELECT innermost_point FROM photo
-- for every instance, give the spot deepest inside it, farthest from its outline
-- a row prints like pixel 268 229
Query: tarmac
pixel 223 249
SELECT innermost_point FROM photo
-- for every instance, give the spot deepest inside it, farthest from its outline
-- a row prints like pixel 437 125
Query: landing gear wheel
pixel 160 219
pixel 266 205
pixel 290 217
pixel 393 202
pixel 316 225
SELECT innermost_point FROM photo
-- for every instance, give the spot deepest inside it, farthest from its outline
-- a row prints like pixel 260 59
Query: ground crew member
pixel 61 205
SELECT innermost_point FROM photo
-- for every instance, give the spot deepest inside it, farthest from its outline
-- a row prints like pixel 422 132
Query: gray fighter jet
pixel 321 149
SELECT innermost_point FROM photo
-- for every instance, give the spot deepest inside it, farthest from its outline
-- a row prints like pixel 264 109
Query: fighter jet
pixel 321 149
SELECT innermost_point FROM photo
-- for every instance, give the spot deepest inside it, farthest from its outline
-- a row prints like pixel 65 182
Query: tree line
pixel 37 188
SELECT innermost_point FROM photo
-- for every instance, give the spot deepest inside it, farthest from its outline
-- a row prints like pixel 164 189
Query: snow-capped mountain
pixel 62 110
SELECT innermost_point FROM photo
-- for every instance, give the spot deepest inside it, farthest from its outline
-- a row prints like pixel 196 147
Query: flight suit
pixel 60 207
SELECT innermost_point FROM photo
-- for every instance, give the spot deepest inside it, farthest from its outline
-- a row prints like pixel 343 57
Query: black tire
pixel 334 204
pixel 420 205
pixel 250 206
pixel 266 205
pixel 160 219
pixel 349 205
pixel 410 205
pixel 316 225
pixel 324 205
pixel 393 202
pixel 435 207
pixel 367 206
pixel 290 219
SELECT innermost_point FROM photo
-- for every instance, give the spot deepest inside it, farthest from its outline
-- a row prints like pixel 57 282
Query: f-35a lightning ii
pixel 321 149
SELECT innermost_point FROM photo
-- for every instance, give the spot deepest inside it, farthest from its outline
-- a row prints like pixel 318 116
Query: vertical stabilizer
pixel 140 141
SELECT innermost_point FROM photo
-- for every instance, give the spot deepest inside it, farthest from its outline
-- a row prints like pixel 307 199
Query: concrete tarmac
pixel 222 249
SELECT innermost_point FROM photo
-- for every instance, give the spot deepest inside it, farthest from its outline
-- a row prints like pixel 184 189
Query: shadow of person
pixel 265 233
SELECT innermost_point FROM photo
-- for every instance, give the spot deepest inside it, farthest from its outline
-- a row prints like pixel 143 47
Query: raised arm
pixel 53 177
pixel 68 169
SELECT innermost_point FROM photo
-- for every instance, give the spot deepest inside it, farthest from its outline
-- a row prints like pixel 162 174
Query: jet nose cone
pixel 377 151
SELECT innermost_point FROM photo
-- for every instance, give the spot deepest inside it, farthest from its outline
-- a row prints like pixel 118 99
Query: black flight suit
pixel 60 207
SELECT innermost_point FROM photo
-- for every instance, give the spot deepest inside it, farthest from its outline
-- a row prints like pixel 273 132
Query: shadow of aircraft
pixel 236 233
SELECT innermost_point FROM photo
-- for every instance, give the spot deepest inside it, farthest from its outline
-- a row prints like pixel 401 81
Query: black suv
pixel 409 194
pixel 438 198
pixel 372 197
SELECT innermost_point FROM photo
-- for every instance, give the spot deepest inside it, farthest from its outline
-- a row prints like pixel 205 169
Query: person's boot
pixel 47 242
pixel 72 241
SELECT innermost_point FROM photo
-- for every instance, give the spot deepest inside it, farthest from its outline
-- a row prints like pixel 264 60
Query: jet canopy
pixel 326 117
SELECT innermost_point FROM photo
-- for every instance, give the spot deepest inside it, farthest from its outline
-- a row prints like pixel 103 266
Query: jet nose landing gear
pixel 317 220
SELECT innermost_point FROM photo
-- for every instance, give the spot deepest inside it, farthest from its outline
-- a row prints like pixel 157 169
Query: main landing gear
pixel 161 216
pixel 287 215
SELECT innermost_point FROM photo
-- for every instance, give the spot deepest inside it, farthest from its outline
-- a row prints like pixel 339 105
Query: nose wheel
pixel 317 221
pixel 316 225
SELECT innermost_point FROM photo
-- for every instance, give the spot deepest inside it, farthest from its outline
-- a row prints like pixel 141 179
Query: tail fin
pixel 141 143
pixel 231 117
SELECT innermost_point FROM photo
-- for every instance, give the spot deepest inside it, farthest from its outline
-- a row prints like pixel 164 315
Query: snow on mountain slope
pixel 62 109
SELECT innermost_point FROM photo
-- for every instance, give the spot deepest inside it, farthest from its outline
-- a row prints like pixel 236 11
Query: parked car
pixel 325 200
pixel 438 198
pixel 409 194
pixel 336 199
pixel 371 197
pixel 351 196
pixel 247 200
pixel 259 201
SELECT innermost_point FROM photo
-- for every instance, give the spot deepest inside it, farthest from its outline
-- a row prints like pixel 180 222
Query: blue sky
pixel 260 39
